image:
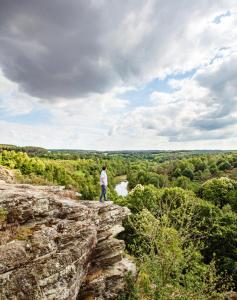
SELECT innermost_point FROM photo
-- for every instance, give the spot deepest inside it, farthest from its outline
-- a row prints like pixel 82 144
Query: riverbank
pixel 120 178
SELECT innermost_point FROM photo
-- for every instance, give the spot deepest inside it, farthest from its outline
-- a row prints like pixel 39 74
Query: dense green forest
pixel 182 233
pixel 28 149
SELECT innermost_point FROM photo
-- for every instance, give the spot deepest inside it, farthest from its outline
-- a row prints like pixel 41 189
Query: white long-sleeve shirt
pixel 103 178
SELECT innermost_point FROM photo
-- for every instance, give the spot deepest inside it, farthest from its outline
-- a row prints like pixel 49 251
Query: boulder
pixel 6 175
pixel 56 247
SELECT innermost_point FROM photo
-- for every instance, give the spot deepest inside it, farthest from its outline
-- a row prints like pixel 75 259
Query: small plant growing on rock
pixel 3 217
pixel 23 233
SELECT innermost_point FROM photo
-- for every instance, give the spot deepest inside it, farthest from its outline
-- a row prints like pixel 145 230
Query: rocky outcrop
pixel 54 247
pixel 6 175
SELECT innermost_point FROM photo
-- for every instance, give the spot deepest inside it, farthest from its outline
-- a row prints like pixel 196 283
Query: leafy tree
pixel 188 173
pixel 183 182
pixel 225 165
pixel 217 190
pixel 177 172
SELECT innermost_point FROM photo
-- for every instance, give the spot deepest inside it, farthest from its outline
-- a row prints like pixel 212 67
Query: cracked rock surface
pixel 55 247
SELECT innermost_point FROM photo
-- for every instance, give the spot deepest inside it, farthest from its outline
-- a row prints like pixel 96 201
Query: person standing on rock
pixel 103 183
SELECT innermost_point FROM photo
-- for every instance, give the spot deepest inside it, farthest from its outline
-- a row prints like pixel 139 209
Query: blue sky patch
pixel 33 118
pixel 218 19
pixel 141 96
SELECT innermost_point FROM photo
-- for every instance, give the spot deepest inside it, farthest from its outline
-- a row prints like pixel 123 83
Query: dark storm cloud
pixel 222 85
pixel 203 136
pixel 213 124
pixel 69 48
pixel 56 48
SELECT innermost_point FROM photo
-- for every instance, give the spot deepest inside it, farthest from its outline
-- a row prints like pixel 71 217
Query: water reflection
pixel 122 188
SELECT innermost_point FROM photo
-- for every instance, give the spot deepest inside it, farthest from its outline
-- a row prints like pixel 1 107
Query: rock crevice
pixel 54 247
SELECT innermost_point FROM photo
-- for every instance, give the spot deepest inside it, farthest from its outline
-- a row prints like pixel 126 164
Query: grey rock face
pixel 54 247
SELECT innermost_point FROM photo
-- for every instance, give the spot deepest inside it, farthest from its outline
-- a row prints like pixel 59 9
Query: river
pixel 122 188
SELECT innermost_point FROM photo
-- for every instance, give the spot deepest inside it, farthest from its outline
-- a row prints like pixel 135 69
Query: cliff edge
pixel 54 247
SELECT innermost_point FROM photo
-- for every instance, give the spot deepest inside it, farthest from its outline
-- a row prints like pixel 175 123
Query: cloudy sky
pixel 119 74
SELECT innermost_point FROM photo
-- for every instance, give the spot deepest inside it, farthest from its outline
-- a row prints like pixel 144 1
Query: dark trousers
pixel 103 193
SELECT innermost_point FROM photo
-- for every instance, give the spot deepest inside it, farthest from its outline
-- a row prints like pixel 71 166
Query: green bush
pixel 218 190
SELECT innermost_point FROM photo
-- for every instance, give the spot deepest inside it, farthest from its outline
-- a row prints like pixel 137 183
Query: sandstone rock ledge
pixel 53 247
